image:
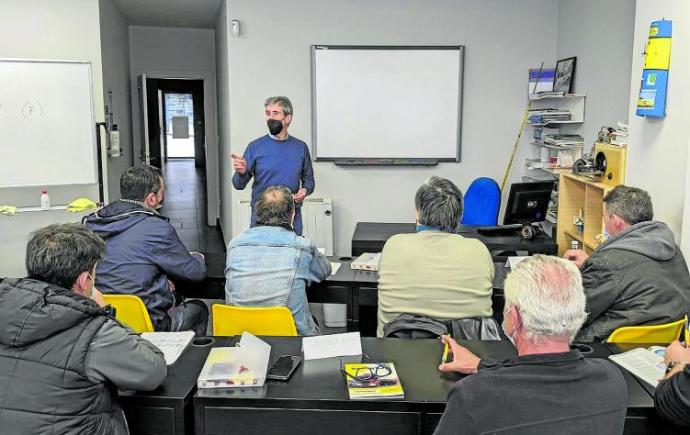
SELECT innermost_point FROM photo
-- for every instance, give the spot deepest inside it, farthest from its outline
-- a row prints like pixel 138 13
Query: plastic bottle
pixel 115 150
pixel 45 200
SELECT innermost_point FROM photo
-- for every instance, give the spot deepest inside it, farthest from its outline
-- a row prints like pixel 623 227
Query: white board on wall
pixel 47 127
pixel 386 102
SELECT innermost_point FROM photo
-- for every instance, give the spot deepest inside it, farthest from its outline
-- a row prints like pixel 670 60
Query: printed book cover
pixel 373 381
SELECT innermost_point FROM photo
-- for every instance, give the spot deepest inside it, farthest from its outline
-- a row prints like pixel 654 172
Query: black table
pixel 315 400
pixel 371 236
pixel 168 408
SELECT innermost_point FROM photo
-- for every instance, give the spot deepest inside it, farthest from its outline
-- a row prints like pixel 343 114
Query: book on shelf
pixel 645 363
pixel 373 381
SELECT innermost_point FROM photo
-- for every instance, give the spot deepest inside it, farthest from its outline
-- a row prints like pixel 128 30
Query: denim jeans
pixel 190 315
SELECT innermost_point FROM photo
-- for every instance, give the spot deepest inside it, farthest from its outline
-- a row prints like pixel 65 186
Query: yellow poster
pixel 658 54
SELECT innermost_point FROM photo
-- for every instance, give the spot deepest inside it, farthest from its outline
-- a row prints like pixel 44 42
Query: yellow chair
pixel 130 310
pixel 665 333
pixel 232 320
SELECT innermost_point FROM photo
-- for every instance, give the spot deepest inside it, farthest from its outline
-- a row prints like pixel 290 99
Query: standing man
pixel 276 159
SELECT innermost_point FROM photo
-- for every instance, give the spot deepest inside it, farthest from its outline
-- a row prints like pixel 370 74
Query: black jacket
pixel 638 277
pixel 672 398
pixel 561 393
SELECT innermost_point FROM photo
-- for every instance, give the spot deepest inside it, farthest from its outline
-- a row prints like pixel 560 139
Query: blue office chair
pixel 482 202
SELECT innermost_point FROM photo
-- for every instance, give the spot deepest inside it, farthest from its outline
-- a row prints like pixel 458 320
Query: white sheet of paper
pixel 334 267
pixel 514 261
pixel 172 344
pixel 328 346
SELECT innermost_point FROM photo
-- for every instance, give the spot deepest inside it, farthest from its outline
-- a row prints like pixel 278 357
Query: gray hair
pixel 439 204
pixel 274 206
pixel 548 292
pixel 631 204
pixel 59 253
pixel 283 102
pixel 138 181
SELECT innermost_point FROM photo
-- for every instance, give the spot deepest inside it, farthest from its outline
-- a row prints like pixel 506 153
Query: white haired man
pixel 547 388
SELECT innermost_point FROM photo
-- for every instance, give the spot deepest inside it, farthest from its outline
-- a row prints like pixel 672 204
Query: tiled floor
pixel 185 205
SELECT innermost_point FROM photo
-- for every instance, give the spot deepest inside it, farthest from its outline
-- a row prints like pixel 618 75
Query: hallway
pixel 185 205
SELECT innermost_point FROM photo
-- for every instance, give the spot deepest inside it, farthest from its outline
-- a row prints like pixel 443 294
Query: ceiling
pixel 170 13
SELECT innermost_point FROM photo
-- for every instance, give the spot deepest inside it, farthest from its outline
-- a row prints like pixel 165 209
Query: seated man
pixel 143 251
pixel 636 277
pixel 62 354
pixel 548 388
pixel 270 265
pixel 672 395
pixel 435 273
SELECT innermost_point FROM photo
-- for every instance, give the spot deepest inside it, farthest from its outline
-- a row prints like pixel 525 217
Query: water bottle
pixel 574 244
pixel 115 150
pixel 45 200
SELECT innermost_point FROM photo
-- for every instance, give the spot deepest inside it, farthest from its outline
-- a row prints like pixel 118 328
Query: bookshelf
pixel 577 192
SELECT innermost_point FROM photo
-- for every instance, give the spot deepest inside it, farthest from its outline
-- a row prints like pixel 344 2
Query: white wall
pixel 34 29
pixel 115 57
pixel 657 153
pixel 164 52
pixel 600 34
pixel 223 86
pixel 503 40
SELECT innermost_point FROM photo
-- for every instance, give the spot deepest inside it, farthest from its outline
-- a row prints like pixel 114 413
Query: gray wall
pixel 65 30
pixel 115 56
pixel 166 52
pixel 223 86
pixel 600 34
pixel 502 38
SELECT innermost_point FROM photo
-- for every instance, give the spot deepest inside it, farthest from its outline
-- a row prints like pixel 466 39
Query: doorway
pixel 174 132
pixel 176 125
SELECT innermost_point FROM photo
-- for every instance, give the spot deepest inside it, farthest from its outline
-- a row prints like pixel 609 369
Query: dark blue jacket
pixel 142 252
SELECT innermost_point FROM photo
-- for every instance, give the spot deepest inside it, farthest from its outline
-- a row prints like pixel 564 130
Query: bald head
pixel 275 207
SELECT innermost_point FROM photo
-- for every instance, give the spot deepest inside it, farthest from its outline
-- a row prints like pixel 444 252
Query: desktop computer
pixel 527 204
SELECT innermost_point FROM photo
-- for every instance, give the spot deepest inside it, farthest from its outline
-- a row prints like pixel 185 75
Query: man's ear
pixel 288 119
pixel 515 318
pixel 150 199
pixel 81 284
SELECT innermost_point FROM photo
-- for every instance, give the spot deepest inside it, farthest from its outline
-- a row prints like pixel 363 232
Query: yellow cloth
pixel 81 204
pixel 434 274
pixel 8 210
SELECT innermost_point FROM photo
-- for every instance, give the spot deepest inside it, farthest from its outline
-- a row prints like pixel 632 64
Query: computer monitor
pixel 528 202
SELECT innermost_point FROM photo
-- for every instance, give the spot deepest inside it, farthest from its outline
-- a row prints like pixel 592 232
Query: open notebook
pixel 172 344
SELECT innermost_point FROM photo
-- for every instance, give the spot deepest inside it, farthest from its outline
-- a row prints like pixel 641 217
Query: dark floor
pixel 185 204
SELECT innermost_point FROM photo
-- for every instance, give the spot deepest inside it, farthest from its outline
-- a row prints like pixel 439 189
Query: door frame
pixel 211 117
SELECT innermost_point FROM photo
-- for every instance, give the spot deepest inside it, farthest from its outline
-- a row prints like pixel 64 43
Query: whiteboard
pixel 47 127
pixel 386 102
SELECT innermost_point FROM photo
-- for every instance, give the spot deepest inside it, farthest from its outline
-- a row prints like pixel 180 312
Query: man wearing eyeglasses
pixel 548 388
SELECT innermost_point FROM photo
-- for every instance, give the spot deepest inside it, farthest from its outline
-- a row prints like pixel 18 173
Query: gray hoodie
pixel 637 277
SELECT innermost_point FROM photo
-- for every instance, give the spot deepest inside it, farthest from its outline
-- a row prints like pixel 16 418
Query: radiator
pixel 317 221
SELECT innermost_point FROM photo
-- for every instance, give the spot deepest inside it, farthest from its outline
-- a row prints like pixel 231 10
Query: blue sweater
pixel 273 162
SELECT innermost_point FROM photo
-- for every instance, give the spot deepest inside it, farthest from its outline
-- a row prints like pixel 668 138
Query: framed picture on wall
pixel 565 71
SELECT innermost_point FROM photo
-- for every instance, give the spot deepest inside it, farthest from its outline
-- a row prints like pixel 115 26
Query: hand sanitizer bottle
pixel 45 200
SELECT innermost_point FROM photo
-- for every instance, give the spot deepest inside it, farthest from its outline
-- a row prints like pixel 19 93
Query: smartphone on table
pixel 284 366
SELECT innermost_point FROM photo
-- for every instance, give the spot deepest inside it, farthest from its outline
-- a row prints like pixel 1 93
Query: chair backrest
pixel 665 333
pixel 233 320
pixel 131 311
pixel 482 202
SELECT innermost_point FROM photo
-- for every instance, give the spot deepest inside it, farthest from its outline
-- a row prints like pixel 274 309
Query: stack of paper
pixel 172 344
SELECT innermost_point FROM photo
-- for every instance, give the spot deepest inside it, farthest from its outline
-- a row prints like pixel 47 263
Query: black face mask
pixel 274 126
